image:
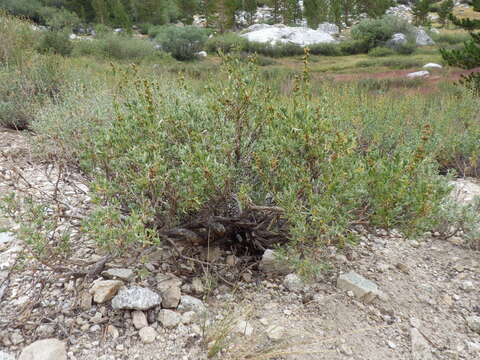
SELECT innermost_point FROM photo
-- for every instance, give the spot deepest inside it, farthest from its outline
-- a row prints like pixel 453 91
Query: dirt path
pixel 430 289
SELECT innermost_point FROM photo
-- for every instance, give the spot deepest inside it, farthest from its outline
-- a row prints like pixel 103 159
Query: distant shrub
pixel 380 51
pixel 274 50
pixel 182 42
pixel 226 43
pixel 118 47
pixel 24 8
pixel 59 19
pixel 55 42
pixel 17 40
pixel 353 47
pixel 450 38
pixel 406 49
pixel 327 49
pixel 375 32
pixel 144 28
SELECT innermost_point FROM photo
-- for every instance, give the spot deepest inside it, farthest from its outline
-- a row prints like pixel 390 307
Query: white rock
pixel 202 54
pixel 244 328
pixel 47 349
pixel 72 36
pixel 188 317
pixel 190 303
pixel 275 332
pixel 418 74
pixel 465 190
pixel 473 323
pixel 293 283
pixel 422 38
pixel 274 34
pixel 432 65
pixel 121 274
pixel 136 298
pixel 197 286
pixel 361 287
pixel 467 286
pixel 329 28
pixel 147 335
pixel 397 39
pixel 139 319
pixel 271 264
pixel 6 356
pixel 168 318
pixel 104 290
pixel 5 237
pixel 472 346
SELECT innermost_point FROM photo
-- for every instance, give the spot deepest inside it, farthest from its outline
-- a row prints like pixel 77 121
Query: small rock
pixel 432 65
pixel 346 350
pixel 95 328
pixel 139 319
pixel 113 332
pixel 16 338
pixel 97 318
pixel 293 283
pixel 473 323
pixel 381 267
pixel 420 348
pixel 471 346
pixel 121 274
pixel 361 287
pixel 467 286
pixel 231 260
pixel 85 300
pixel 391 345
pixel 147 335
pixel 341 258
pixel 6 356
pixel 190 303
pixel 135 298
pixel 270 264
pixel 104 290
pixel 188 317
pixel 414 75
pixel 168 318
pixel 202 54
pixel 244 328
pixel 247 277
pixel 47 349
pixel 197 286
pixel 275 332
pixel 45 330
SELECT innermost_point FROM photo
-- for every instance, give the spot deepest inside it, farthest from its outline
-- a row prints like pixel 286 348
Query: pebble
pixel 47 349
pixel 275 332
pixel 147 335
pixel 244 328
pixel 135 298
pixel 105 290
pixel 139 319
pixel 168 318
pixel 473 323
pixel 293 283
pixel 121 274
pixel 467 286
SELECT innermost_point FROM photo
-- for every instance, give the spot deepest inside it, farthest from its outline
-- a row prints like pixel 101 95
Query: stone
pixel 136 298
pixel 362 288
pixel 113 332
pixel 16 338
pixel 473 323
pixel 85 301
pixel 471 346
pixel 464 191
pixel 293 283
pixel 171 297
pixel 231 260
pixel 467 286
pixel 47 349
pixel 419 346
pixel 147 335
pixel 5 237
pixel 432 65
pixel 168 318
pixel 418 74
pixel 422 38
pixel 329 28
pixel 275 332
pixel 188 317
pixel 6 356
pixel 139 319
pixel 271 264
pixel 197 286
pixel 244 328
pixel 190 303
pixel 45 331
pixel 202 54
pixel 97 318
pixel 105 290
pixel 121 274
pixel 397 39
pixel 280 33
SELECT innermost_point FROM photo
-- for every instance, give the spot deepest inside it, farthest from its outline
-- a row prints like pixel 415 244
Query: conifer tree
pixel 420 12
pixel 250 6
pixel 120 16
pixel 315 11
pixel 444 11
pixel 102 13
pixel 469 56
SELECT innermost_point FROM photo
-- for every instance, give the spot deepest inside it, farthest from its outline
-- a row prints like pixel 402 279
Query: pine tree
pixel 420 12
pixel 374 8
pixel 101 10
pixel 476 5
pixel 250 6
pixel 119 15
pixel 315 12
pixel 187 8
pixel 291 11
pixel 469 56
pixel 444 11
